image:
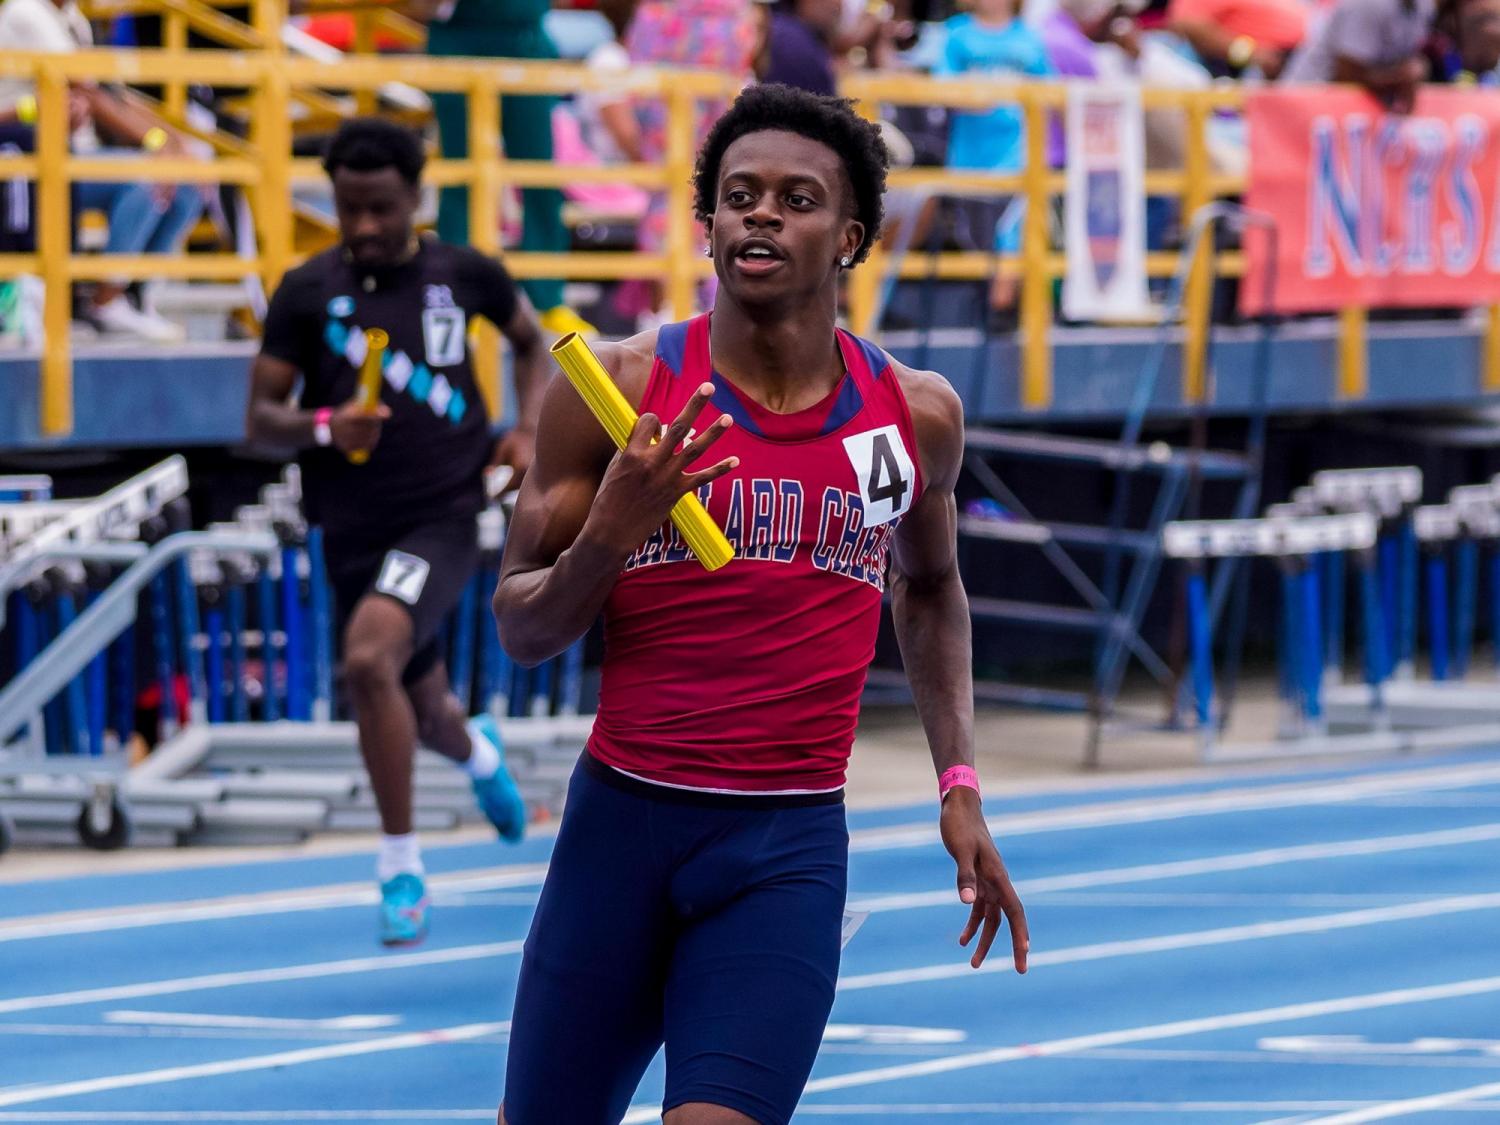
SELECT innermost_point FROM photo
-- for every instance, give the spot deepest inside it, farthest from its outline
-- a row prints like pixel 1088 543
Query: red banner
pixel 1374 209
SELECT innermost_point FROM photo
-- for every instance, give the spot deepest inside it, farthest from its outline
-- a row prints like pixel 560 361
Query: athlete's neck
pixel 786 363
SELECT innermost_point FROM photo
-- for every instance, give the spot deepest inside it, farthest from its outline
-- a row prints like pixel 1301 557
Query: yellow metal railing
pixel 263 164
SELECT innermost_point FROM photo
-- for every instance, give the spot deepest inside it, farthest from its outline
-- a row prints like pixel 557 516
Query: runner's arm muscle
pixel 269 416
pixel 929 606
pixel 552 586
pixel 931 613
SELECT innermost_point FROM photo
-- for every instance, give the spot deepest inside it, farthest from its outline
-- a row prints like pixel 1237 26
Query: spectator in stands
pixel 20 304
pixel 719 35
pixel 872 34
pixel 1102 39
pixel 143 218
pixel 606 118
pixel 599 127
pixel 506 29
pixel 1236 36
pixel 798 50
pixel 1470 47
pixel 1376 43
pixel 992 40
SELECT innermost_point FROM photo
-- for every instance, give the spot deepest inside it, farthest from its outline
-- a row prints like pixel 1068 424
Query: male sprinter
pixel 399 529
pixel 696 891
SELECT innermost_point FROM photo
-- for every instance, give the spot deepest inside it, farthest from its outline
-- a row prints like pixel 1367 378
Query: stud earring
pixel 844 261
pixel 708 251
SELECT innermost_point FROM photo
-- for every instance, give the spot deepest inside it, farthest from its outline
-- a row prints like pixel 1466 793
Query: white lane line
pixel 1128 812
pixel 9 1030
pixel 895 1109
pixel 1408 1106
pixel 1088 1109
pixel 1075 1044
pixel 209 1116
pixel 315 971
pixel 191 1019
pixel 890 1034
pixel 227 1116
pixel 1234 861
pixel 256 905
pixel 1093 952
pixel 1269 1058
pixel 872 980
pixel 21 1095
pixel 1195 939
pixel 1258 899
pixel 1258 1017
pixel 1152 809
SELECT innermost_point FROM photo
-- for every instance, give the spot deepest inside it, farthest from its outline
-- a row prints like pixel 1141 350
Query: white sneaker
pixel 118 315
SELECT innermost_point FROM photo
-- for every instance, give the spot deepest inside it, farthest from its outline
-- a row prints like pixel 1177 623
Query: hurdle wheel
pixel 104 824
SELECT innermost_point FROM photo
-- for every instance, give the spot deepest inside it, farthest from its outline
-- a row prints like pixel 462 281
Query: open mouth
pixel 758 256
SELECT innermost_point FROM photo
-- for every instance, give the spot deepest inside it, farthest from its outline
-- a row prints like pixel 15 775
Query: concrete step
pixel 307 784
pixel 367 820
pixel 455 803
pixel 247 812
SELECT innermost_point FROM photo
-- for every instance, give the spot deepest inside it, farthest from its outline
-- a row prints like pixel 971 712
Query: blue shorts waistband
pixel 612 777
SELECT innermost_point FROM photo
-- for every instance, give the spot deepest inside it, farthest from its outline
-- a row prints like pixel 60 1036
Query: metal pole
pixel 1466 592
pixel 1437 611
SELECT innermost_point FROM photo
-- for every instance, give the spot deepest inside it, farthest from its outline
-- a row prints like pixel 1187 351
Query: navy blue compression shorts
pixel 707 923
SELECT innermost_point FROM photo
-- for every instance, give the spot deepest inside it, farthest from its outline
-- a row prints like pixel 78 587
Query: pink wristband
pixel 956 776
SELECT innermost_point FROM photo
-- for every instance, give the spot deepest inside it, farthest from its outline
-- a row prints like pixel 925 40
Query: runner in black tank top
pixel 399 527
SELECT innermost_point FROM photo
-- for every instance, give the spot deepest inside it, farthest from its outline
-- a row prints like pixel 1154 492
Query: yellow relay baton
pixel 587 374
pixel 371 373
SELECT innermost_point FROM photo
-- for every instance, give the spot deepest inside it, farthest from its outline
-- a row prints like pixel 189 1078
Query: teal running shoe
pixel 498 797
pixel 403 910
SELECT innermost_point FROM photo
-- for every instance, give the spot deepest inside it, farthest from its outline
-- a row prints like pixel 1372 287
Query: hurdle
pixel 57 559
pixel 25 487
pixel 236 633
pixel 1296 542
pixel 295 769
pixel 1392 495
pixel 1453 540
pixel 105 819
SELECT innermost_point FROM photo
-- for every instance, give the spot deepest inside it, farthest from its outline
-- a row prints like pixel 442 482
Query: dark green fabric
pixel 494 13
pixel 525 128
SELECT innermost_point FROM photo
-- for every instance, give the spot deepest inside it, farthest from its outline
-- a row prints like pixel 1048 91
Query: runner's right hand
pixel 648 476
pixel 355 428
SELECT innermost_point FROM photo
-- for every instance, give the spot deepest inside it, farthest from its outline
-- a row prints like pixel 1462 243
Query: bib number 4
pixel 883 467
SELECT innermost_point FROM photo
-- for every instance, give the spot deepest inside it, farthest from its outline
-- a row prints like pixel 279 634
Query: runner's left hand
pixel 516 449
pixel 983 884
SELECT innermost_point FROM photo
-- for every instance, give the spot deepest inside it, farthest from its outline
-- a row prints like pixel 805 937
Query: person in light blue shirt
pixel 992 41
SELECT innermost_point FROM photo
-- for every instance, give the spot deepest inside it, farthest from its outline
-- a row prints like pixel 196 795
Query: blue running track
pixel 1299 947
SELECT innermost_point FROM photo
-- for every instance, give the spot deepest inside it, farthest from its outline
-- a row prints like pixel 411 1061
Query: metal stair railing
pixel 1114 607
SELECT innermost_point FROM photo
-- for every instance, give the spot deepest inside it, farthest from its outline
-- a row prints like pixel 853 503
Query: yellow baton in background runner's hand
pixel 587 374
pixel 371 373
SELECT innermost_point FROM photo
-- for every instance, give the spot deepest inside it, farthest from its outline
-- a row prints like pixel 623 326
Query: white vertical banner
pixel 1104 210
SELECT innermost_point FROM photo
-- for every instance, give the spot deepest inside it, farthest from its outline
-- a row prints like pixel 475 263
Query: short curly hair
pixel 829 121
pixel 369 144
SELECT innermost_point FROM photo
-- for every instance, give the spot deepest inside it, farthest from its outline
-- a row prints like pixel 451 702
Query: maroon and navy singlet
pixel 697 885
pixel 748 679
